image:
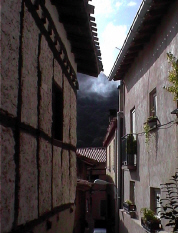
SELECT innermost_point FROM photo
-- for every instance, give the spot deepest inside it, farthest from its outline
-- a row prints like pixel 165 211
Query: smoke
pixel 95 97
pixel 96 86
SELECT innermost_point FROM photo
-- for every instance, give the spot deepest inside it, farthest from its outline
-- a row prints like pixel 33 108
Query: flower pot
pixel 129 207
pixel 152 122
pixel 151 225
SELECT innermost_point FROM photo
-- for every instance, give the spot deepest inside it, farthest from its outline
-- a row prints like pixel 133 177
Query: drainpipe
pixel 118 169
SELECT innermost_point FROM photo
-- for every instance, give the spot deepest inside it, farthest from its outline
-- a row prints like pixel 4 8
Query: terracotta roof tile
pixel 97 153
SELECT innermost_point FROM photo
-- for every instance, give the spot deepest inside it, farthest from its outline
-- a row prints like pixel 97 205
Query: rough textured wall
pixel 45 169
pixel 46 68
pixel 66 111
pixel 29 70
pixel 38 174
pixel 57 174
pixel 65 176
pixel 10 16
pixel 61 222
pixel 73 115
pixel 28 193
pixel 7 178
pixel 73 177
pixel 57 73
pixel 150 70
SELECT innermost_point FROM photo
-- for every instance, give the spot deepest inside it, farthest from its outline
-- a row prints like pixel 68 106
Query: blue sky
pixel 113 18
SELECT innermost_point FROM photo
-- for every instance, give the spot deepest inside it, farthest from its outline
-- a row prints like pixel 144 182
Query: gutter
pixel 144 8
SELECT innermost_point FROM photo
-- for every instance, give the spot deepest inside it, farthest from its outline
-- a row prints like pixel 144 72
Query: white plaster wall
pixel 150 70
pixel 111 172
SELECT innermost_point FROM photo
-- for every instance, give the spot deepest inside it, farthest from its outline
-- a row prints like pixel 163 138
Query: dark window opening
pixel 103 208
pixel 57 112
pixel 153 103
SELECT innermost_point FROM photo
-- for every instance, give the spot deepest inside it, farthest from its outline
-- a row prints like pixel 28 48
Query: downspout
pixel 119 116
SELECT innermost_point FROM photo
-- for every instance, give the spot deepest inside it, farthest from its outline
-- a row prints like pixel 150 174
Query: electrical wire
pixel 159 127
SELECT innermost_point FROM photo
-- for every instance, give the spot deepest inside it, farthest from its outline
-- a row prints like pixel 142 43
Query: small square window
pixel 57 112
pixel 153 103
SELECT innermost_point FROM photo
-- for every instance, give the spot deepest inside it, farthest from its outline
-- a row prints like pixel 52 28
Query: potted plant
pixel 148 125
pixel 173 76
pixel 129 206
pixel 152 121
pixel 149 221
pixel 146 130
pixel 131 144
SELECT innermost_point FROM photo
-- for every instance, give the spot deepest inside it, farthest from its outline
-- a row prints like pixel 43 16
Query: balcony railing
pixel 129 151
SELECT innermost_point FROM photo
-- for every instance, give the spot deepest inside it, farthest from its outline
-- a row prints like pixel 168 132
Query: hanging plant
pixel 173 76
pixel 146 130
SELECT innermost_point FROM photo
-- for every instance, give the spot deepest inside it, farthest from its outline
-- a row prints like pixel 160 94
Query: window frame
pixel 154 204
pixel 132 191
pixel 133 121
pixel 153 103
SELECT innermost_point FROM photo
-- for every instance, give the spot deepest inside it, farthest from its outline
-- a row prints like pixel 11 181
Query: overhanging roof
pixel 110 131
pixel 82 33
pixel 144 25
pixel 83 185
pixel 88 161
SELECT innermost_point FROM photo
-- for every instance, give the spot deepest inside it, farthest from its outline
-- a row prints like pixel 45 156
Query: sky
pixel 113 19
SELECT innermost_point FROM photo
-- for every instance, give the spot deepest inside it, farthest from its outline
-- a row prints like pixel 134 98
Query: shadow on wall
pixel 122 227
pixel 154 50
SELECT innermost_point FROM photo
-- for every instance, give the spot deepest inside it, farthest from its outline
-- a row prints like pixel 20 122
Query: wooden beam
pixel 92 24
pixel 90 9
pixel 94 29
pixel 73 20
pixel 92 18
pixel 85 51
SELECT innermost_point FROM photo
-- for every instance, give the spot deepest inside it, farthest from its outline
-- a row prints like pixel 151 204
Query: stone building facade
pixel 143 68
pixel 40 60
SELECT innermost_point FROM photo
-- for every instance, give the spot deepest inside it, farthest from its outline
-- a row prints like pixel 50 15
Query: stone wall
pixel 38 173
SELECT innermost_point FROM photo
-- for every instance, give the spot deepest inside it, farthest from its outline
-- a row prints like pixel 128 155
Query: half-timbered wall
pixel 38 172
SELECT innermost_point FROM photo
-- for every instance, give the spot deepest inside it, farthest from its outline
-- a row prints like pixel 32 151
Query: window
pixel 132 191
pixel 109 158
pixel 57 112
pixel 155 205
pixel 153 103
pixel 132 122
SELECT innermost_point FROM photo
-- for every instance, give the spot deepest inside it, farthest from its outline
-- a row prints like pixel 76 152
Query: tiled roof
pixel 97 153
